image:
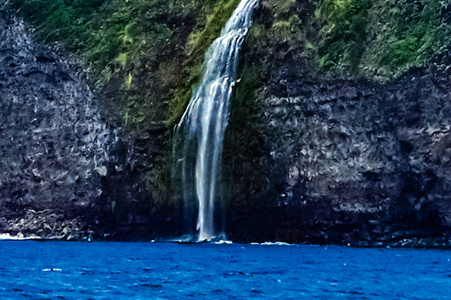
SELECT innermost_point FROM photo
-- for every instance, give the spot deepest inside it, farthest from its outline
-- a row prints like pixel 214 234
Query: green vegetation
pixel 343 31
pixel 380 38
pixel 284 26
pixel 149 53
pixel 145 55
pixel 89 26
pixel 198 43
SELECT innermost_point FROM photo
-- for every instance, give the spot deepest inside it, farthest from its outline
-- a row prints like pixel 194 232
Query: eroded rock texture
pixel 53 142
pixel 310 156
pixel 336 159
pixel 65 171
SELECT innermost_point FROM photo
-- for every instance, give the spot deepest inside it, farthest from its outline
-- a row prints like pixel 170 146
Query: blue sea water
pixel 104 270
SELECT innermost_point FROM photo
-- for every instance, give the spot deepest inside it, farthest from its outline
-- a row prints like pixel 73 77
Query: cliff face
pixel 334 154
pixel 54 144
pixel 336 157
pixel 66 170
pixel 340 123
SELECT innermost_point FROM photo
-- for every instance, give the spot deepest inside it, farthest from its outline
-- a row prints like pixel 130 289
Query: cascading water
pixel 199 135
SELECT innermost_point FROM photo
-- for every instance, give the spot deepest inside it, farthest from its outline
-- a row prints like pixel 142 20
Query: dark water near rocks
pixel 58 270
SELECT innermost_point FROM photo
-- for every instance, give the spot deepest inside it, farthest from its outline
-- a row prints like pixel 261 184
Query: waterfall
pixel 200 134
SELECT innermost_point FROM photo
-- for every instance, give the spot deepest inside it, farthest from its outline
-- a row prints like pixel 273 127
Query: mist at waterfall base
pixel 53 270
pixel 199 136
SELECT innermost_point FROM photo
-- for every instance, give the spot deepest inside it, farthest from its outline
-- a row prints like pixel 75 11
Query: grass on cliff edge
pixel 378 39
pixel 153 49
pixel 198 43
pixel 146 54
pixel 381 38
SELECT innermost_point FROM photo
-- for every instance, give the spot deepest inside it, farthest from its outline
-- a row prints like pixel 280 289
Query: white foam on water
pixel 273 244
pixel 221 242
pixel 52 270
pixel 18 237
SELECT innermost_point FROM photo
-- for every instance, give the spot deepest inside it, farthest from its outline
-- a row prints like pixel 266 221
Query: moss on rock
pixel 379 39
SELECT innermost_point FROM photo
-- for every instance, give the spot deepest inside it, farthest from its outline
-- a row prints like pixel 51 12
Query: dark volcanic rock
pixel 64 171
pixel 328 159
pixel 311 157
pixel 53 142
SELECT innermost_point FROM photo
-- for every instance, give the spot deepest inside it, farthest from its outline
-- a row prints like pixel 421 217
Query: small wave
pixel 273 244
pixel 220 242
pixel 8 237
pixel 192 239
pixel 52 270
pixel 19 237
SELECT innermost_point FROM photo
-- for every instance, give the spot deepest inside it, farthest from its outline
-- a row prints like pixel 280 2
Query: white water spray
pixel 200 134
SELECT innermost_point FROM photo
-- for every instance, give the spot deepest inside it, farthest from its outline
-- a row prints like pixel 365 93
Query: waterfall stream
pixel 200 134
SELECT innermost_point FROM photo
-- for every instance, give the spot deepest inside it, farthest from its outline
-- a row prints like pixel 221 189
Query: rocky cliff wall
pixel 54 144
pixel 65 171
pixel 332 157
pixel 339 131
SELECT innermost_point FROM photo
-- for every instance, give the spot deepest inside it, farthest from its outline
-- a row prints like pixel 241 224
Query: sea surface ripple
pixel 109 270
